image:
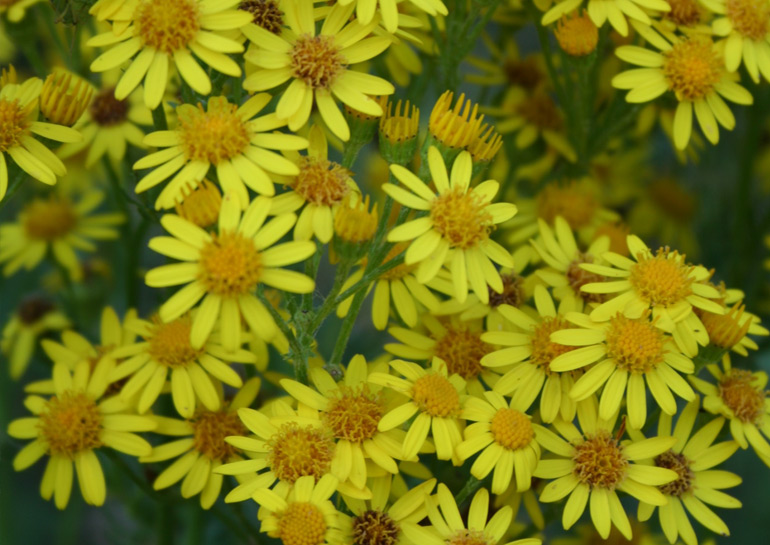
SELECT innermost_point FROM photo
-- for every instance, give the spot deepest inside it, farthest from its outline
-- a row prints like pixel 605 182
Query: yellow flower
pixel 457 227
pixel 628 351
pixel 731 330
pixel 457 343
pixel 447 526
pixel 352 409
pixel 305 516
pixel 662 282
pixel 614 11
pixel 381 522
pixel 16 9
pixel 592 465
pixel 505 436
pixel 166 352
pixel 71 425
pixel 61 223
pixel 161 32
pixel 318 184
pixel 389 10
pixel 693 459
pixel 64 97
pixel 203 448
pixel 529 348
pixel 746 24
pixel 740 396
pixel 318 66
pixel 561 253
pixel 18 117
pixel 225 268
pixel 34 317
pixel 109 125
pixel 694 70
pixel 224 136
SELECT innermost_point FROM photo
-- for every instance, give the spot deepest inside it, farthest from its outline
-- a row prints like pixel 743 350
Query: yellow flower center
pixel 375 528
pixel 468 537
pixel 435 395
pixel 70 423
pixel 684 12
pixel 692 68
pixel 513 292
pixel 726 330
pixel 662 279
pixel 543 350
pixel 740 391
pixel 577 277
pixel 230 265
pixel 317 61
pixel 265 13
pixel 170 343
pixel 599 462
pixel 540 110
pixel 321 182
pixel 201 205
pixel 354 415
pixel 13 124
pixel 296 451
pixel 212 136
pixel 106 110
pixel 635 345
pixel 750 18
pixel 681 465
pixel 512 429
pixel 576 206
pixel 524 73
pixel 577 34
pixel 672 199
pixel 462 351
pixel 211 428
pixel 302 524
pixel 461 218
pixel 167 25
pixel 49 220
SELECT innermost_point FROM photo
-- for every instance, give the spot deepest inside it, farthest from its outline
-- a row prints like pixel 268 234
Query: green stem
pixel 340 275
pixel 471 486
pixel 53 31
pixel 13 187
pixel 311 270
pixel 352 148
pixel 347 327
pixel 297 352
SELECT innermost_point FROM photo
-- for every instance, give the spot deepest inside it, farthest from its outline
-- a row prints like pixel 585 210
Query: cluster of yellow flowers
pixel 540 352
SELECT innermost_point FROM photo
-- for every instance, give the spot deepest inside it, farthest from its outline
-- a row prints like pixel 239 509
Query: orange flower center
pixel 170 343
pixel 317 61
pixel 512 429
pixel 354 415
pixel 462 351
pixel 212 136
pixel 692 68
pixel 577 34
pixel 375 528
pixel 435 395
pixel 48 220
pixel 662 279
pixel 577 277
pixel 296 451
pixel 684 12
pixel 167 25
pixel 635 345
pixel 543 350
pixel 599 462
pixel 568 201
pixel 513 292
pixel 265 13
pixel 681 465
pixel 211 428
pixel 321 182
pixel 13 124
pixel 750 18
pixel 106 110
pixel 302 524
pixel 70 423
pixel 461 218
pixel 230 265
pixel 740 391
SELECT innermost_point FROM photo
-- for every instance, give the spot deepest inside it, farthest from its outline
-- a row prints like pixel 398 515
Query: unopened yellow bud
pixel 201 205
pixel 485 145
pixel 353 221
pixel 8 75
pixel 455 127
pixel 726 330
pixel 577 34
pixel 64 97
pixel 400 123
